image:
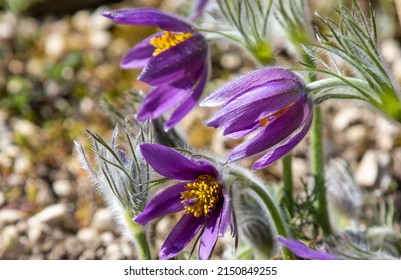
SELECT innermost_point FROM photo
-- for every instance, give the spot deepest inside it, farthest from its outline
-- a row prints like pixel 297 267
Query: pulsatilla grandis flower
pixel 200 194
pixel 174 61
pixel 272 101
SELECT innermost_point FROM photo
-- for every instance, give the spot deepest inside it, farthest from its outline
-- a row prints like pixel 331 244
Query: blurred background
pixel 59 63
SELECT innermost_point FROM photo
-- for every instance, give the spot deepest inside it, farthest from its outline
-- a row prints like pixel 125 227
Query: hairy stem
pixel 288 184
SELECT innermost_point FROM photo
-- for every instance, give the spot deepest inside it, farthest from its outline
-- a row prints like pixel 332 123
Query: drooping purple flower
pixel 200 194
pixel 272 101
pixel 303 251
pixel 174 61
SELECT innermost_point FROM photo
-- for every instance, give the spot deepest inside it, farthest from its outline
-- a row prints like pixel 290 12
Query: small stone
pixel 16 67
pixel 52 89
pixel 356 134
pixel 390 49
pixel 368 169
pixel 53 215
pixel 55 45
pixel 22 165
pixel 396 68
pixel 231 61
pixel 2 199
pixel 345 118
pixel 113 252
pixel 10 216
pixel 43 195
pixel 99 39
pixel 87 235
pixel 35 66
pixel 73 247
pixel 25 128
pixel 37 232
pixel 103 221
pixel 107 238
pixel 89 254
pixel 86 106
pixel 80 21
pixel 62 188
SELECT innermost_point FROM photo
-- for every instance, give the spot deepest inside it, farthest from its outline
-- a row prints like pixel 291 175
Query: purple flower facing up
pixel 200 194
pixel 303 251
pixel 174 61
pixel 272 101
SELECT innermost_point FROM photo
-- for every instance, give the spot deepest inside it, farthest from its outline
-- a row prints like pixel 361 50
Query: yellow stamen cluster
pixel 201 196
pixel 168 40
pixel 266 120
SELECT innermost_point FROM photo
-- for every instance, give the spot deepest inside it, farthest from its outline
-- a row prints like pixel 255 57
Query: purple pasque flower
pixel 199 193
pixel 174 61
pixel 303 251
pixel 272 101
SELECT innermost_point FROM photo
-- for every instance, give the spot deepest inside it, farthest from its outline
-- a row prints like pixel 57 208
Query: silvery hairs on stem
pixel 122 178
pixel 348 57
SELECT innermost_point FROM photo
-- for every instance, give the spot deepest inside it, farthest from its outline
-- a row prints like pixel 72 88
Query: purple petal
pixel 149 17
pixel 275 132
pixel 247 110
pixel 183 232
pixel 303 251
pixel 249 82
pixel 159 101
pixel 187 105
pixel 183 56
pixel 225 214
pixel 171 164
pixel 165 202
pixel 198 8
pixel 139 55
pixel 209 235
pixel 282 150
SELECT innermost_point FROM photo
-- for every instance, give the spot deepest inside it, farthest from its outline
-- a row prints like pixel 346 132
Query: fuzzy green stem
pixel 288 184
pixel 261 191
pixel 317 157
pixel 139 237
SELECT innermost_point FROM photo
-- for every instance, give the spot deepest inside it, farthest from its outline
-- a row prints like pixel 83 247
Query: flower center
pixel 266 120
pixel 168 40
pixel 201 196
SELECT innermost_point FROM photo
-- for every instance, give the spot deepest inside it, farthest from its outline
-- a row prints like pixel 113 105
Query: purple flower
pixel 303 251
pixel 272 101
pixel 200 194
pixel 174 61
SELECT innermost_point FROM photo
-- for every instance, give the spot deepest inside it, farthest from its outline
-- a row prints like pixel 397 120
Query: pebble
pixel 390 49
pixel 55 45
pixel 107 238
pixel 99 39
pixel 113 252
pixel 345 118
pixel 37 232
pixel 87 235
pixel 396 68
pixel 53 215
pixel 62 188
pixel 367 171
pixel 103 220
pixel 44 196
pixel 80 21
pixel 2 198
pixel 10 216
pixel 22 165
pixel 231 61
